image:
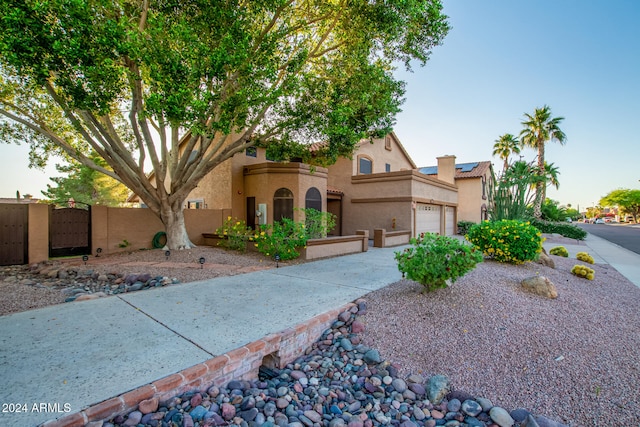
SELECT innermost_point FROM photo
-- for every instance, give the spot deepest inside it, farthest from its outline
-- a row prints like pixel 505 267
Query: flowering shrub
pixel 464 226
pixel 583 271
pixel 506 240
pixel 433 259
pixel 583 256
pixel 281 239
pixel 234 234
pixel 559 251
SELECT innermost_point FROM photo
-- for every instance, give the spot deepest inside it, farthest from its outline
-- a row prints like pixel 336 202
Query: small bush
pixel 281 239
pixel 583 256
pixel 464 226
pixel 562 228
pixel 506 240
pixel 559 251
pixel 434 259
pixel 583 271
pixel 318 224
pixel 234 234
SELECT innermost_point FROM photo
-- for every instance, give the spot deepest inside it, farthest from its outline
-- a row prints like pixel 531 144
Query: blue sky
pixel 501 59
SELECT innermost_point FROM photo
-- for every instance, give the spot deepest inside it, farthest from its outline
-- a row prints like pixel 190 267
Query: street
pixel 626 236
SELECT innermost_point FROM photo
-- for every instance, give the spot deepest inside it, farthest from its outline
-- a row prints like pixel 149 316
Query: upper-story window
pixel 365 165
pixel 251 152
pixel 387 167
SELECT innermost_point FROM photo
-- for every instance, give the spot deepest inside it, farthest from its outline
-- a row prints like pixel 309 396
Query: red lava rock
pixel 357 327
pixel 196 400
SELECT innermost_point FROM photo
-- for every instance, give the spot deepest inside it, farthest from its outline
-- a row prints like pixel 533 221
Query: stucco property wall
pixel 38 232
pixel 470 190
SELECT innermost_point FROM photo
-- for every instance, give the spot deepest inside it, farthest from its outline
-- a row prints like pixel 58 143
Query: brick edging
pixel 241 363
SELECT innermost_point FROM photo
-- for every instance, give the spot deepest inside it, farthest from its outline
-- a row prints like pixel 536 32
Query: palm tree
pixel 504 147
pixel 551 173
pixel 538 129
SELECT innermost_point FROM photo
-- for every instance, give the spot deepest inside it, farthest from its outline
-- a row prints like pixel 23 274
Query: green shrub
pixel 281 239
pixel 318 224
pixel 559 251
pixel 583 256
pixel 434 259
pixel 507 240
pixel 234 234
pixel 583 271
pixel 464 226
pixel 563 228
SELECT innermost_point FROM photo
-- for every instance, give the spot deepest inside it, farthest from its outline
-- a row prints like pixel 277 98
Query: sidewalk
pixel 83 353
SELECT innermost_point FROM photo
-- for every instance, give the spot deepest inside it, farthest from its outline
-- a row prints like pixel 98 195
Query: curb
pixel 274 351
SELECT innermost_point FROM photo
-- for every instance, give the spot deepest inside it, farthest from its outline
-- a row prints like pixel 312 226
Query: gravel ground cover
pixel 574 359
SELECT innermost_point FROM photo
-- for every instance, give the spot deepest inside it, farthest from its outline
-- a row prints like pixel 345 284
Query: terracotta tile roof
pixel 463 170
pixel 334 190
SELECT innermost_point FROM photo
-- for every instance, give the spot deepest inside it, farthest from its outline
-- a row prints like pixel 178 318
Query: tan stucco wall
pixel 372 201
pixel 111 226
pixel 38 232
pixel 471 201
pixel 262 180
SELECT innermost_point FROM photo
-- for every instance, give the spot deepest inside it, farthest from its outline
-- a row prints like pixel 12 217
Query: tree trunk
pixel 540 185
pixel 173 220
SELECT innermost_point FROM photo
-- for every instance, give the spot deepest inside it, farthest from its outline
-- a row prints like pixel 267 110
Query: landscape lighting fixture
pixel 277 257
pixel 201 261
pixel 167 254
pixel 98 252
pixel 85 258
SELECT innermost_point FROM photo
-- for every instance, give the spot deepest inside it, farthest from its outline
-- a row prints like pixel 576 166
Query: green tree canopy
pixel 539 129
pixel 628 200
pixel 86 185
pixel 184 85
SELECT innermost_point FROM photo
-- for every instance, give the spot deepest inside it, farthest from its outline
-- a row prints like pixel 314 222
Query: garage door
pixel 427 218
pixel 450 216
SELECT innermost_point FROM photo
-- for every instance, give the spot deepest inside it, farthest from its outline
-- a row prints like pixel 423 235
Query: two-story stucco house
pixel 473 182
pixel 379 187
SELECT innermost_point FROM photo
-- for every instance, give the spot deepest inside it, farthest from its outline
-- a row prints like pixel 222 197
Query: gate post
pixel 38 233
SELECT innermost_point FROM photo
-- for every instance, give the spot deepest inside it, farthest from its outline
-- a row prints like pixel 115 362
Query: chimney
pixel 447 168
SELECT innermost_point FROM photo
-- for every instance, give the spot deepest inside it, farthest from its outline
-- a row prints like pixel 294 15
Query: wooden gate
pixel 14 221
pixel 69 231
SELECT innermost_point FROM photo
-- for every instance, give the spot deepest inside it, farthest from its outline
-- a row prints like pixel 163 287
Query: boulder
pixel 540 285
pixel 546 260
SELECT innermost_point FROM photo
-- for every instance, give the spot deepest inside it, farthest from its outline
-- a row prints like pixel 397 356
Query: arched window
pixel 282 204
pixel 313 199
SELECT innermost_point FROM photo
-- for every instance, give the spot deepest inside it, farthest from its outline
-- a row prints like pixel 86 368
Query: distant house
pixel 25 199
pixel 379 187
pixel 472 180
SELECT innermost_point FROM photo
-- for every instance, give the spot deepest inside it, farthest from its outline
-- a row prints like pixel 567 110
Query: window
pixel 365 166
pixel 313 199
pixel 282 204
pixel 195 204
pixel 387 167
pixel 484 187
pixel 251 152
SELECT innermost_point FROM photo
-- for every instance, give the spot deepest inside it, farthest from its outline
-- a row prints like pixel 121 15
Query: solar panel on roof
pixel 467 167
pixel 429 170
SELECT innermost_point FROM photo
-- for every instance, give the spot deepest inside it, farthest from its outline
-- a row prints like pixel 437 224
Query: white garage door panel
pixel 427 218
pixel 450 220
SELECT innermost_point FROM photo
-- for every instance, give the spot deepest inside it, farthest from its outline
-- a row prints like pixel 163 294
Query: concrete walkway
pixel 71 356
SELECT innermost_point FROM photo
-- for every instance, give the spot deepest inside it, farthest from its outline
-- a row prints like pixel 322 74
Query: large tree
pixel 504 147
pixel 185 85
pixel 628 200
pixel 539 129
